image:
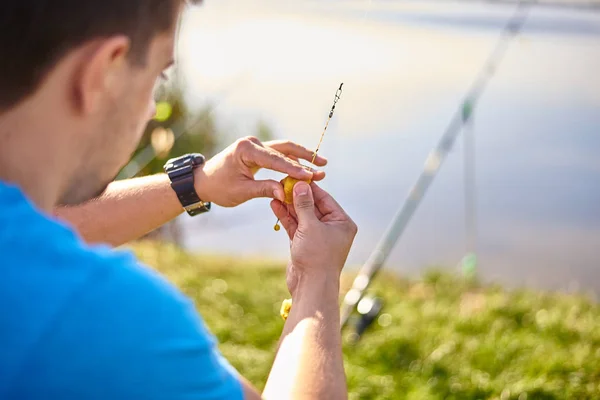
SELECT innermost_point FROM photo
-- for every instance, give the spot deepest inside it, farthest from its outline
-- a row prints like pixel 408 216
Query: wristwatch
pixel 181 173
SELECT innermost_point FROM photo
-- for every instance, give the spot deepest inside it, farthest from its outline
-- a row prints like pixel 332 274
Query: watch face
pixel 180 171
pixel 196 160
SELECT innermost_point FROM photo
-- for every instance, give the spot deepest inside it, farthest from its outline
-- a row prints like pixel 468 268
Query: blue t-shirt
pixel 81 322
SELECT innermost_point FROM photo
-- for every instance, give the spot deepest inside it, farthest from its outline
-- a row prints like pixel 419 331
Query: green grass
pixel 448 338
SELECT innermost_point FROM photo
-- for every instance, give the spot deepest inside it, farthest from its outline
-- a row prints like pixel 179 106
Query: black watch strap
pixel 181 173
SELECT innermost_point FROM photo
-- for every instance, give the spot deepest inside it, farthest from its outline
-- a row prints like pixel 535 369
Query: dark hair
pixel 36 34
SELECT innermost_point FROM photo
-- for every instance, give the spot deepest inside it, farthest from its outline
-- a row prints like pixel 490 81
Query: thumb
pixel 268 188
pixel 304 203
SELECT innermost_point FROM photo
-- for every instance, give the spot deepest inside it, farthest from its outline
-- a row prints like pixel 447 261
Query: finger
pixel 325 203
pixel 304 203
pixel 289 223
pixel 266 158
pixel 296 150
pixel 267 188
pixel 318 175
pixel 318 213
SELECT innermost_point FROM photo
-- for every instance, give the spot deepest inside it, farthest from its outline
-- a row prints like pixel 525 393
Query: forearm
pixel 309 363
pixel 126 211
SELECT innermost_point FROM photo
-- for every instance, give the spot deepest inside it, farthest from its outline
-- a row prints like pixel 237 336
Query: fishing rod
pixel 469 261
pixel 432 164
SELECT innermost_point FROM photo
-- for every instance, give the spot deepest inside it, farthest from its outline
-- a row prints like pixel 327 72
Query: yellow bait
pixel 288 188
pixel 286 307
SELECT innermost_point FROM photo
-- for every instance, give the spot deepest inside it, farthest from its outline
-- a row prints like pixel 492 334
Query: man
pixel 86 322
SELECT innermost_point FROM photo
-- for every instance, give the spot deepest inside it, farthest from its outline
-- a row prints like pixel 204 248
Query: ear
pixel 100 71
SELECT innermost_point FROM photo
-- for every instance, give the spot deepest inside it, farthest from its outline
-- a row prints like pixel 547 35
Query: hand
pixel 295 151
pixel 228 178
pixel 321 234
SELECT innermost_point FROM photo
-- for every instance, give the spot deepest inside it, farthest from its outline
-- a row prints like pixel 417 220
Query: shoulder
pixel 128 333
pixel 96 323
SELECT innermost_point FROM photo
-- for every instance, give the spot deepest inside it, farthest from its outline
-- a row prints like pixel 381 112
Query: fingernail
pixel 301 189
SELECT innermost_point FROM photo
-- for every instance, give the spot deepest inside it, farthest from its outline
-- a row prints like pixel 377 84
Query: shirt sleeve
pixel 129 334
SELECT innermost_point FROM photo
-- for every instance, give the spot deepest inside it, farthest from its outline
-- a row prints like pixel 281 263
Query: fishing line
pixel 289 182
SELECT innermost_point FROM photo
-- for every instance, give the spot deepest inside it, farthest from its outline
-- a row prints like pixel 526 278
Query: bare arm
pixel 126 211
pixel 131 208
pixel 309 363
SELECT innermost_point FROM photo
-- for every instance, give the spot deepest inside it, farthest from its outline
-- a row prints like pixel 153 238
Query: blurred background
pixel 271 68
pixel 490 291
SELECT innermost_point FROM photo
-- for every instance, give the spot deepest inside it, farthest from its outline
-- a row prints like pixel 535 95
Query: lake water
pixel 406 67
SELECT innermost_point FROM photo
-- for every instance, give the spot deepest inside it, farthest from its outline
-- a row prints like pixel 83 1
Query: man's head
pixel 89 68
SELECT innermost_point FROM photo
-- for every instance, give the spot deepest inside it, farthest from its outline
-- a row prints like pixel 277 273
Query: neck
pixel 31 158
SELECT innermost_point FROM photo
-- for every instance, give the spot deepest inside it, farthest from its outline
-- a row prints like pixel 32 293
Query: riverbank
pixel 441 337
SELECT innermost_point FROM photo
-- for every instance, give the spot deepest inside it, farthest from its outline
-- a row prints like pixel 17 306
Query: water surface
pixel 406 66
